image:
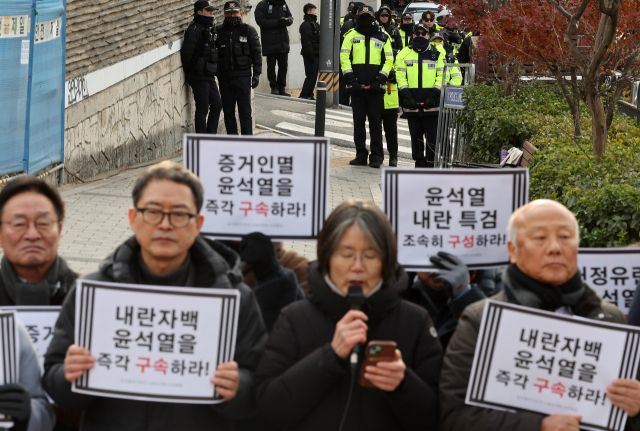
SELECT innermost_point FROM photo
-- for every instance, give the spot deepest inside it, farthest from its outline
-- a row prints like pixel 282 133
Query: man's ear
pixel 512 252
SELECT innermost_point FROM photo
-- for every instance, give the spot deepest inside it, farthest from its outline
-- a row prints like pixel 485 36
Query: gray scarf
pixel 26 293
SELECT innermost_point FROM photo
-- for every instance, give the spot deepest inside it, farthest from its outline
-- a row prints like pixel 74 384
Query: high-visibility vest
pixel 366 56
pixel 419 73
pixel 454 77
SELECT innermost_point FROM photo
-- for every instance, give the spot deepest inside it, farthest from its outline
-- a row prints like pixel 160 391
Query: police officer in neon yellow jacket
pixel 419 69
pixel 366 60
pixel 454 77
pixel 406 29
pixel 391 105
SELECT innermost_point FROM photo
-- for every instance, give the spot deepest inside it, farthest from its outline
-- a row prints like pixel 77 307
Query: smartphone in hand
pixel 377 351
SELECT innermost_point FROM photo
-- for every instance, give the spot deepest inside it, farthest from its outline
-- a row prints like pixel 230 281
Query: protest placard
pixel 532 360
pixel 461 211
pixel 40 323
pixel 155 343
pixel 614 273
pixel 277 186
pixel 10 355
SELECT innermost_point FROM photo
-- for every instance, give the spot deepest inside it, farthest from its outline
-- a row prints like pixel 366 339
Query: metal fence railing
pixel 32 73
pixel 450 141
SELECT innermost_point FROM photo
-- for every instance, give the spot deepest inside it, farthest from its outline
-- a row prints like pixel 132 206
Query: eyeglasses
pixel 20 225
pixel 421 33
pixel 176 219
pixel 368 260
pixel 384 15
pixel 429 20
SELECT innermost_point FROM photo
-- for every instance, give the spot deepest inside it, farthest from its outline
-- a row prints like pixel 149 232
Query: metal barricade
pixel 450 142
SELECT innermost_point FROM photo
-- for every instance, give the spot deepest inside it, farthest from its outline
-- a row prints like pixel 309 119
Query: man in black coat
pixel 166 250
pixel 200 62
pixel 32 273
pixel 310 40
pixel 273 17
pixel 239 49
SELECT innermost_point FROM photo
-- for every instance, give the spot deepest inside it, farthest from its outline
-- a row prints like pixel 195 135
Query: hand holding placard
pixel 227 380
pixel 625 393
pixel 560 423
pixel 76 362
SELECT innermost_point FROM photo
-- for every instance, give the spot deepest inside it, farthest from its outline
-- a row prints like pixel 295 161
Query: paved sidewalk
pixel 97 219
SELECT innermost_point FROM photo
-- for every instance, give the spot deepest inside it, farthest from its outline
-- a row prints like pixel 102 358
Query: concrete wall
pixel 136 120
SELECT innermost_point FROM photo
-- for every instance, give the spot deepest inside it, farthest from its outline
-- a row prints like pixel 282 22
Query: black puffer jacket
pixel 192 49
pixel 215 266
pixel 238 50
pixel 275 38
pixel 303 385
pixel 310 36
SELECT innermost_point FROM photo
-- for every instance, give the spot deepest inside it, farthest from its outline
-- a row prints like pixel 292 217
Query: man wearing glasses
pixel 165 250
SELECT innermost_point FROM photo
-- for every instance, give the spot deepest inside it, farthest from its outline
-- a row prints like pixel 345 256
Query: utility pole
pixel 328 18
pixel 336 53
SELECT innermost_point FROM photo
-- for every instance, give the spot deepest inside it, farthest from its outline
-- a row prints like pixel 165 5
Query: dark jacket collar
pixel 376 307
pixel 215 264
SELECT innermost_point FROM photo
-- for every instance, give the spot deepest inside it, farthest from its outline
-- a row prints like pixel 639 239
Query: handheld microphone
pixel 355 299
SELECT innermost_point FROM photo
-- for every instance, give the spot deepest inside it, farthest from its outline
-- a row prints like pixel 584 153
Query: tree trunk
pixel 598 119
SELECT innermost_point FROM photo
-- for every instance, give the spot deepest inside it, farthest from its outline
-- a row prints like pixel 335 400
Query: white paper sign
pixel 24 52
pixel 461 211
pixel 533 360
pixel 155 343
pixel 9 356
pixel 47 30
pixel 14 26
pixel 277 186
pixel 614 273
pixel 40 323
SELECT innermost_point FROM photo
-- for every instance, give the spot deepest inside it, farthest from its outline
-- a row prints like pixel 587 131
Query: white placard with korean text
pixel 532 360
pixel 14 26
pixel 9 356
pixel 614 273
pixel 277 186
pixel 40 322
pixel 461 211
pixel 154 343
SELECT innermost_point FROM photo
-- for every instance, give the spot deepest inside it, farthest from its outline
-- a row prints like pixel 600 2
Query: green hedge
pixel 605 197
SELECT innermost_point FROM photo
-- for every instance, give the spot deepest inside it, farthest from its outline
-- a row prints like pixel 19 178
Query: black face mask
pixel 232 21
pixel 420 44
pixel 364 25
pixel 203 19
pixel 407 28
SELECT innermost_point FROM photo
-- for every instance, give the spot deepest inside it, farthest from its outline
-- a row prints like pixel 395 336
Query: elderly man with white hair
pixel 543 250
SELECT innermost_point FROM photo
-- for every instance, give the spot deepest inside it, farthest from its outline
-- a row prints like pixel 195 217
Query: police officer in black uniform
pixel 200 62
pixel 239 50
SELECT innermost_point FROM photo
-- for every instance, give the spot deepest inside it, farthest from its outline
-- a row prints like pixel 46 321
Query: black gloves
pixel 377 88
pixel 408 101
pixel 356 87
pixel 430 102
pixel 255 80
pixel 15 401
pixel 285 21
pixel 381 79
pixel 392 77
pixel 257 250
pixel 452 273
